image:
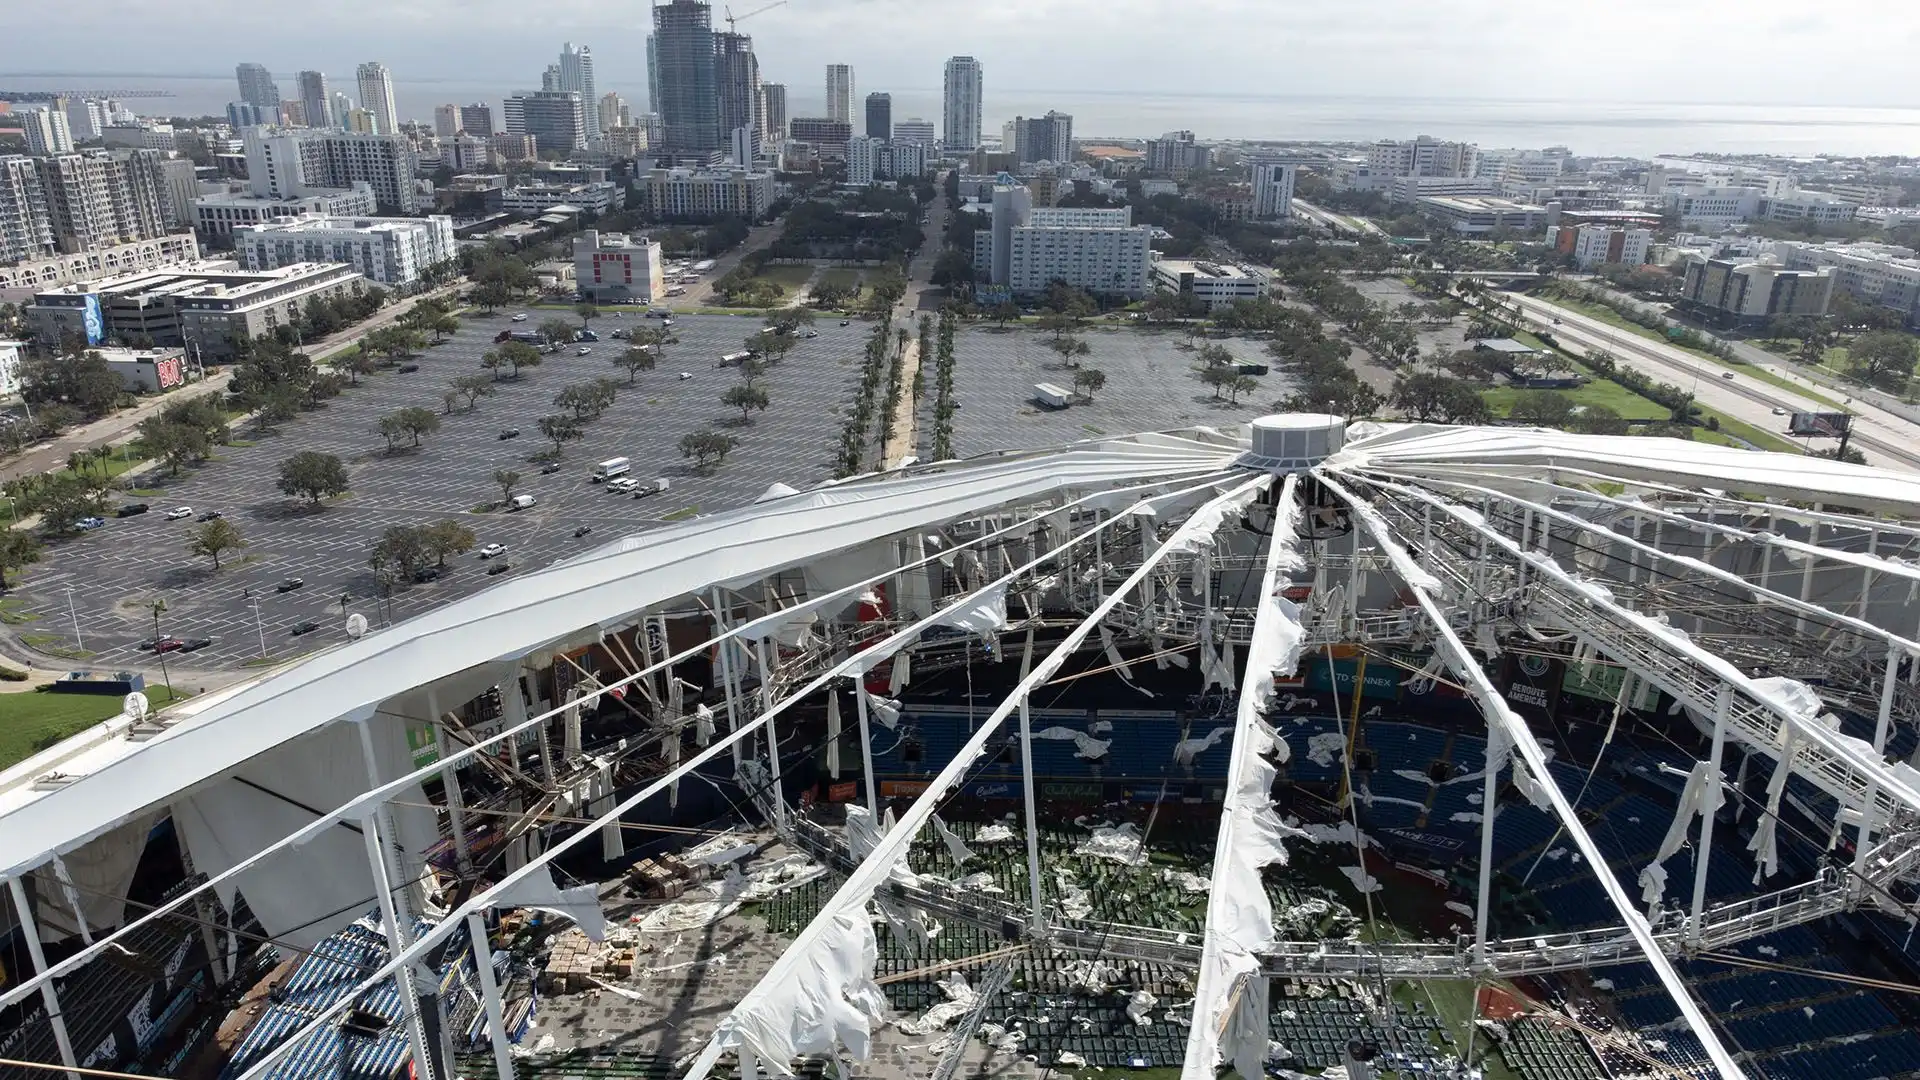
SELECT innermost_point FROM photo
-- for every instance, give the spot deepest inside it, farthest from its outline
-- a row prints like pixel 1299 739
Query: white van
pixel 621 485
pixel 610 468
pixel 522 502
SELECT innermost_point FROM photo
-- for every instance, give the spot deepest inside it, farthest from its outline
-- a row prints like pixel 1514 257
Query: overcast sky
pixel 1841 52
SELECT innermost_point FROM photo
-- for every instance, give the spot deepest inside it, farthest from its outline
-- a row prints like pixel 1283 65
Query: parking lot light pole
pixel 78 645
pixel 158 607
pixel 260 629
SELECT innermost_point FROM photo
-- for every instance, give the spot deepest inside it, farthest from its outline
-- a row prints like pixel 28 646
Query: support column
pixel 1489 791
pixel 1866 572
pixel 727 675
pixel 1703 855
pixel 866 742
pixel 31 931
pixel 1880 726
pixel 1766 558
pixel 450 784
pixel 490 996
pixel 1520 568
pixel 73 898
pixel 1806 572
pixel 1033 819
pixel 398 938
pixel 773 735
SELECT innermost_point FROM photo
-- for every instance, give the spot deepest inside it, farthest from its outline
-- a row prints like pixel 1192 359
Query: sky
pixel 1840 53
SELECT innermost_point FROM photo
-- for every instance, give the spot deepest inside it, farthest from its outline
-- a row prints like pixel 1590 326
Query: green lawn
pixel 31 721
pixel 790 278
pixel 842 276
pixel 1629 405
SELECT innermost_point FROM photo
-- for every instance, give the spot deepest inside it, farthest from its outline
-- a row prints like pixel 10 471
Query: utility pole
pixel 72 612
pixel 260 628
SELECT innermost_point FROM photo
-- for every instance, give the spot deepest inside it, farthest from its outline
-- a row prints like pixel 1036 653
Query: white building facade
pixel 1884 275
pixel 961 105
pixel 1219 285
pixel 391 251
pixel 704 194
pixel 1096 249
pixel 616 266
pixel 1273 191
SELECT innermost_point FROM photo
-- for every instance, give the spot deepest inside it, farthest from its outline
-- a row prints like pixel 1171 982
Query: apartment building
pixel 1273 191
pixel 46 271
pixel 1882 275
pixel 826 135
pixel 1028 248
pixel 207 309
pixel 1739 292
pixel 217 216
pixel 1599 245
pixel 284 163
pixel 1423 156
pixel 704 194
pixel 395 252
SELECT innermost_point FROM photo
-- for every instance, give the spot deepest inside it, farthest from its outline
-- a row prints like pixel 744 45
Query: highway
pixel 1883 439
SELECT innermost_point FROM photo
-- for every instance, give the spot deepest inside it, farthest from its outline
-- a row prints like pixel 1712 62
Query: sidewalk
pixel 51 456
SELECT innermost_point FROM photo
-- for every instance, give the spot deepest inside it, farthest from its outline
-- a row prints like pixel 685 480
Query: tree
pixel 636 359
pixel 442 324
pixel 1087 380
pixel 1599 420
pixel 1215 356
pixel 588 399
pixel 557 331
pixel 561 429
pixel 1542 408
pixel 1070 349
pixel 506 478
pixel 707 446
pixel 444 538
pixel 18 549
pixel 1005 311
pixel 64 498
pixel 952 267
pixel 84 381
pixel 1238 384
pixel 391 428
pixel 400 547
pixel 746 397
pixel 473 388
pixel 492 294
pixel 314 475
pixel 211 539
pixel 769 344
pixel 587 313
pixel 790 320
pixel 1884 358
pixel 1428 396
pixel 417 421
pixel 1058 323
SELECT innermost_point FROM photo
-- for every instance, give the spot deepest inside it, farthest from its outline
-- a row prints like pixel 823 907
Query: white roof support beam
pixel 1504 725
pixel 354 810
pixel 766 1018
pixel 485 900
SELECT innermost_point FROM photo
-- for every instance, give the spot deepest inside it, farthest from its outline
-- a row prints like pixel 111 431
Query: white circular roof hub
pixel 1294 442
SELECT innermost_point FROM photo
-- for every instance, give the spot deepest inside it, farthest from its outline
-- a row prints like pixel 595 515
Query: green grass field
pixel 31 721
pixel 1629 405
pixel 841 276
pixel 790 278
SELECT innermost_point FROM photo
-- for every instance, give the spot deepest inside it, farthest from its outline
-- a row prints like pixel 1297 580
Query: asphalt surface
pixel 117 571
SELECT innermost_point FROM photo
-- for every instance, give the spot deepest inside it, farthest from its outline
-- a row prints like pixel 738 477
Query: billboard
pixel 93 319
pixel 1830 425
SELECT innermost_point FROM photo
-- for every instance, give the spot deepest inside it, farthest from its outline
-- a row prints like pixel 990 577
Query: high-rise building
pixel 26 224
pixel 376 96
pixel 343 107
pixel 289 163
pixel 1043 138
pixel 315 100
pixel 1273 191
pixel 257 87
pixel 1423 156
pixel 960 104
pixel 704 194
pixel 391 251
pixel 47 130
pixel 576 76
pixel 743 146
pixel 242 114
pixel 840 92
pixel 879 115
pixel 736 76
pixel 870 159
pixel 688 102
pixel 916 130
pixel 557 119
pixel 477 119
pixel 613 112
pixel 1176 154
pixel 87 118
pixel 446 121
pixel 1026 249
pixel 104 197
pixel 653 74
pixel 773 110
pixel 826 135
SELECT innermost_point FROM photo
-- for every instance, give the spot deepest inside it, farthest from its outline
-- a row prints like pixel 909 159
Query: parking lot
pixel 1151 386
pixel 115 573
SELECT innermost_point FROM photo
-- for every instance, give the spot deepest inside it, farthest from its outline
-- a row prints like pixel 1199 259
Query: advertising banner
pixel 903 788
pixel 844 792
pixel 93 319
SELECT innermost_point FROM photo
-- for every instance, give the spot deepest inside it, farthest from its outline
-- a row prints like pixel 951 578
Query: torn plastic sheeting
pixel 981 613
pixel 831 1002
pixel 956 847
pixel 994 834
pixel 1764 845
pixel 961 1000
pixel 1074 900
pixel 1086 747
pixel 1207 520
pixel 1140 1007
pixel 1117 661
pixel 1362 880
pixel 1326 747
pixel 1122 843
pixel 881 710
pixel 1699 798
pixel 980 881
pixel 1186 750
pixel 538 891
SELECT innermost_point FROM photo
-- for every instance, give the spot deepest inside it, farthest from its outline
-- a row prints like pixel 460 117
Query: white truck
pixel 1051 396
pixel 610 468
pixel 651 487
pixel 522 502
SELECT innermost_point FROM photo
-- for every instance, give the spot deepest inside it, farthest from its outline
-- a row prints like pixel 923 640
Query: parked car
pixel 549 468
pixel 498 568
pixel 509 433
pixel 619 332
pixel 587 335
pixel 582 531
pixel 504 335
pixel 493 551
pixel 408 369
pixel 211 515
pixel 88 524
pixel 583 350
pixel 131 509
pixel 179 512
pixel 290 584
pixel 426 574
pixel 167 644
pixel 195 644
pixel 306 627
pixel 846 322
pixel 522 317
pixel 686 375
pixel 811 334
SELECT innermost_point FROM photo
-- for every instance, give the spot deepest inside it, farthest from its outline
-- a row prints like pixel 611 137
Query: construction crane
pixel 732 18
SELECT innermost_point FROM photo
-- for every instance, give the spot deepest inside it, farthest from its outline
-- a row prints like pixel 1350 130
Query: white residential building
pixel 11 353
pixel 446 121
pixel 592 196
pixel 1027 248
pixel 1811 206
pixel 47 131
pixel 915 130
pixel 882 159
pixel 26 221
pixel 1273 191
pixel 863 155
pixel 216 216
pixel 1218 284
pixel 576 75
pixel 961 105
pixel 1883 275
pixel 1714 208
pixel 1599 245
pixel 286 163
pixel 376 96
pixel 1424 156
pixel 616 266
pixel 704 194
pixel 391 251
pixel 840 92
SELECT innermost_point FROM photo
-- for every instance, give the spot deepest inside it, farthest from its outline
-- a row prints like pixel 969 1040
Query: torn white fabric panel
pixel 613 838
pixel 1186 750
pixel 703 727
pixel 538 891
pixel 956 847
pixel 901 673
pixel 102 871
pixel 1764 845
pixel 1086 747
pixel 980 613
pixel 830 1003
pixel 881 710
pixel 1693 803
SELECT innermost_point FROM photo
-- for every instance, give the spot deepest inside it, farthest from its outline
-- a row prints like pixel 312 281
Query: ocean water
pixel 1640 129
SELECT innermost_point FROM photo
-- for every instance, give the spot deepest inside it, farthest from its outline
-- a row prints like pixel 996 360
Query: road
pixel 1742 397
pixel 111 430
pixel 700 295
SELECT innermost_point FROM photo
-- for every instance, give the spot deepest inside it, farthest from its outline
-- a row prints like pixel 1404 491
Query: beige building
pixel 1743 292
pixel 103 262
pixel 206 309
pixel 703 194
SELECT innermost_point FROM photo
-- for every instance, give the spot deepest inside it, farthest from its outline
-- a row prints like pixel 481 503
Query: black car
pixel 549 468
pixel 498 568
pixel 307 627
pixel 289 585
pixel 426 574
pixel 408 369
pixel 582 531
pixel 510 433
pixel 846 322
pixel 211 515
pixel 195 644
pixel 132 509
